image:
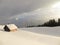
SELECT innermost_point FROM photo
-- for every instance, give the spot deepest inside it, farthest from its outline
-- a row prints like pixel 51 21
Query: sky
pixel 27 12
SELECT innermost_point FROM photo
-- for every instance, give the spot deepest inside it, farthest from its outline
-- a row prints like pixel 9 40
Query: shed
pixel 10 27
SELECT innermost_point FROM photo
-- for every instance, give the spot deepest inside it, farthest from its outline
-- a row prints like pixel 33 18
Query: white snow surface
pixel 31 36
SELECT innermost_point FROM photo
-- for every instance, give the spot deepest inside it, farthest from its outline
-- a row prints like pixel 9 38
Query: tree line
pixel 50 23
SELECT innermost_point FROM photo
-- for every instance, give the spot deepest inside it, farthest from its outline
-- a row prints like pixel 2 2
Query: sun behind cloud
pixel 56 5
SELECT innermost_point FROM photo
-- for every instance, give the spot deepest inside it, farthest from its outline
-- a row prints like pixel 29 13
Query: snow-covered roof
pixel 12 26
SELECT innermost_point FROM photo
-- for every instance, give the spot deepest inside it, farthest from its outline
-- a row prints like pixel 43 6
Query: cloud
pixel 23 9
pixel 9 8
pixel 35 17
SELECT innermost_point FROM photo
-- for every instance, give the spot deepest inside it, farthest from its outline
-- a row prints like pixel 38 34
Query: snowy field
pixel 31 36
pixel 54 31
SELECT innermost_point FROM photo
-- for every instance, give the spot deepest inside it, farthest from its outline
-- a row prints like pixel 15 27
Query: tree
pixel 59 22
pixel 51 23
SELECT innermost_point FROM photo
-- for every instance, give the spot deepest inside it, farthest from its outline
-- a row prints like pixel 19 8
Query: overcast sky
pixel 13 9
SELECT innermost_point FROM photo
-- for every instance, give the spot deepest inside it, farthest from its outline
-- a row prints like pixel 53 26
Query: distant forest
pixel 50 23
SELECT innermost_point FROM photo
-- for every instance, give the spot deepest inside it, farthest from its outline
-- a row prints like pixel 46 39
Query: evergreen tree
pixel 59 22
pixel 50 23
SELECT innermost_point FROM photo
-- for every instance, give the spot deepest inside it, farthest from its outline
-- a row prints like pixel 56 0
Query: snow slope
pixel 22 37
pixel 54 31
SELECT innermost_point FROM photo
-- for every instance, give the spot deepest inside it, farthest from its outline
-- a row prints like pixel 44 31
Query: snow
pixel 27 36
pixel 2 26
pixel 54 31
